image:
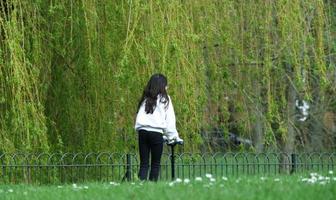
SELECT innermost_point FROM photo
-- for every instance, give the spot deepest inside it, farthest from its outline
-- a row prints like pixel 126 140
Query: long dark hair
pixel 156 88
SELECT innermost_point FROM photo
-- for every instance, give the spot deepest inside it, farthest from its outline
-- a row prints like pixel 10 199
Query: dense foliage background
pixel 72 71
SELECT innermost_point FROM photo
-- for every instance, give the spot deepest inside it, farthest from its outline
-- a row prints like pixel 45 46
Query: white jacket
pixel 161 120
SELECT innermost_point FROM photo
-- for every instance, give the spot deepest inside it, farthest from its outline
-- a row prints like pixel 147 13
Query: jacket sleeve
pixel 171 131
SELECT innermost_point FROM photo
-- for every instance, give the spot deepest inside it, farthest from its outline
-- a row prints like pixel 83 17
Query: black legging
pixel 150 143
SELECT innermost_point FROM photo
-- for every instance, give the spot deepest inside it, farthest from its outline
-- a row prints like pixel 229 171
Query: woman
pixel 155 117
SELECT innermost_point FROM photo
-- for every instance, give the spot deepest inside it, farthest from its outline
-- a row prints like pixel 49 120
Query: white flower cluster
pixel 114 183
pixel 178 180
pixel 76 187
pixel 208 180
pixel 209 176
pixel 317 178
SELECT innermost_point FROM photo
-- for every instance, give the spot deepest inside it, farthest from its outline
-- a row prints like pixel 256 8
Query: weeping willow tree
pixel 73 71
pixel 23 72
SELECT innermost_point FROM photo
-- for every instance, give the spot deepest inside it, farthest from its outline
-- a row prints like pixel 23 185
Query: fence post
pixel 293 167
pixel 128 167
pixel 172 162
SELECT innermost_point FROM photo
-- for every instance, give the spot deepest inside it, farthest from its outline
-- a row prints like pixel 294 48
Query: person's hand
pixel 179 140
pixel 175 139
pixel 165 138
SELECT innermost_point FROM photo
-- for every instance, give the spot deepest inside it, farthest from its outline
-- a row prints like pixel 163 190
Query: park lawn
pixel 271 187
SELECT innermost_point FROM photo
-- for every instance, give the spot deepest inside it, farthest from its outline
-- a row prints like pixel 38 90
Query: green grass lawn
pixel 271 187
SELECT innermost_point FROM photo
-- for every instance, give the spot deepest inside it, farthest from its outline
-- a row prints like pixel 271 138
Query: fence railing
pixel 105 166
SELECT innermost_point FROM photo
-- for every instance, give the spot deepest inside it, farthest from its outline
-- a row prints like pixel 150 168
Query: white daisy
pixel 208 175
pixel 178 180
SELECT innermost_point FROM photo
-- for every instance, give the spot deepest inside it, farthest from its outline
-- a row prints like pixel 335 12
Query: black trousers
pixel 150 143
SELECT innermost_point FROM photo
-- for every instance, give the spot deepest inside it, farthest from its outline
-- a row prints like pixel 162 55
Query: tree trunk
pixel 258 135
pixel 316 122
pixel 288 141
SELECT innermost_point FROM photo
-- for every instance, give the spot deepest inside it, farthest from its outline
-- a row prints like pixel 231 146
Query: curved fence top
pixel 105 166
pixel 120 158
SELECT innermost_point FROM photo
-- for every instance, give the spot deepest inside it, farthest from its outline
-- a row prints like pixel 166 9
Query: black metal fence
pixel 57 168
